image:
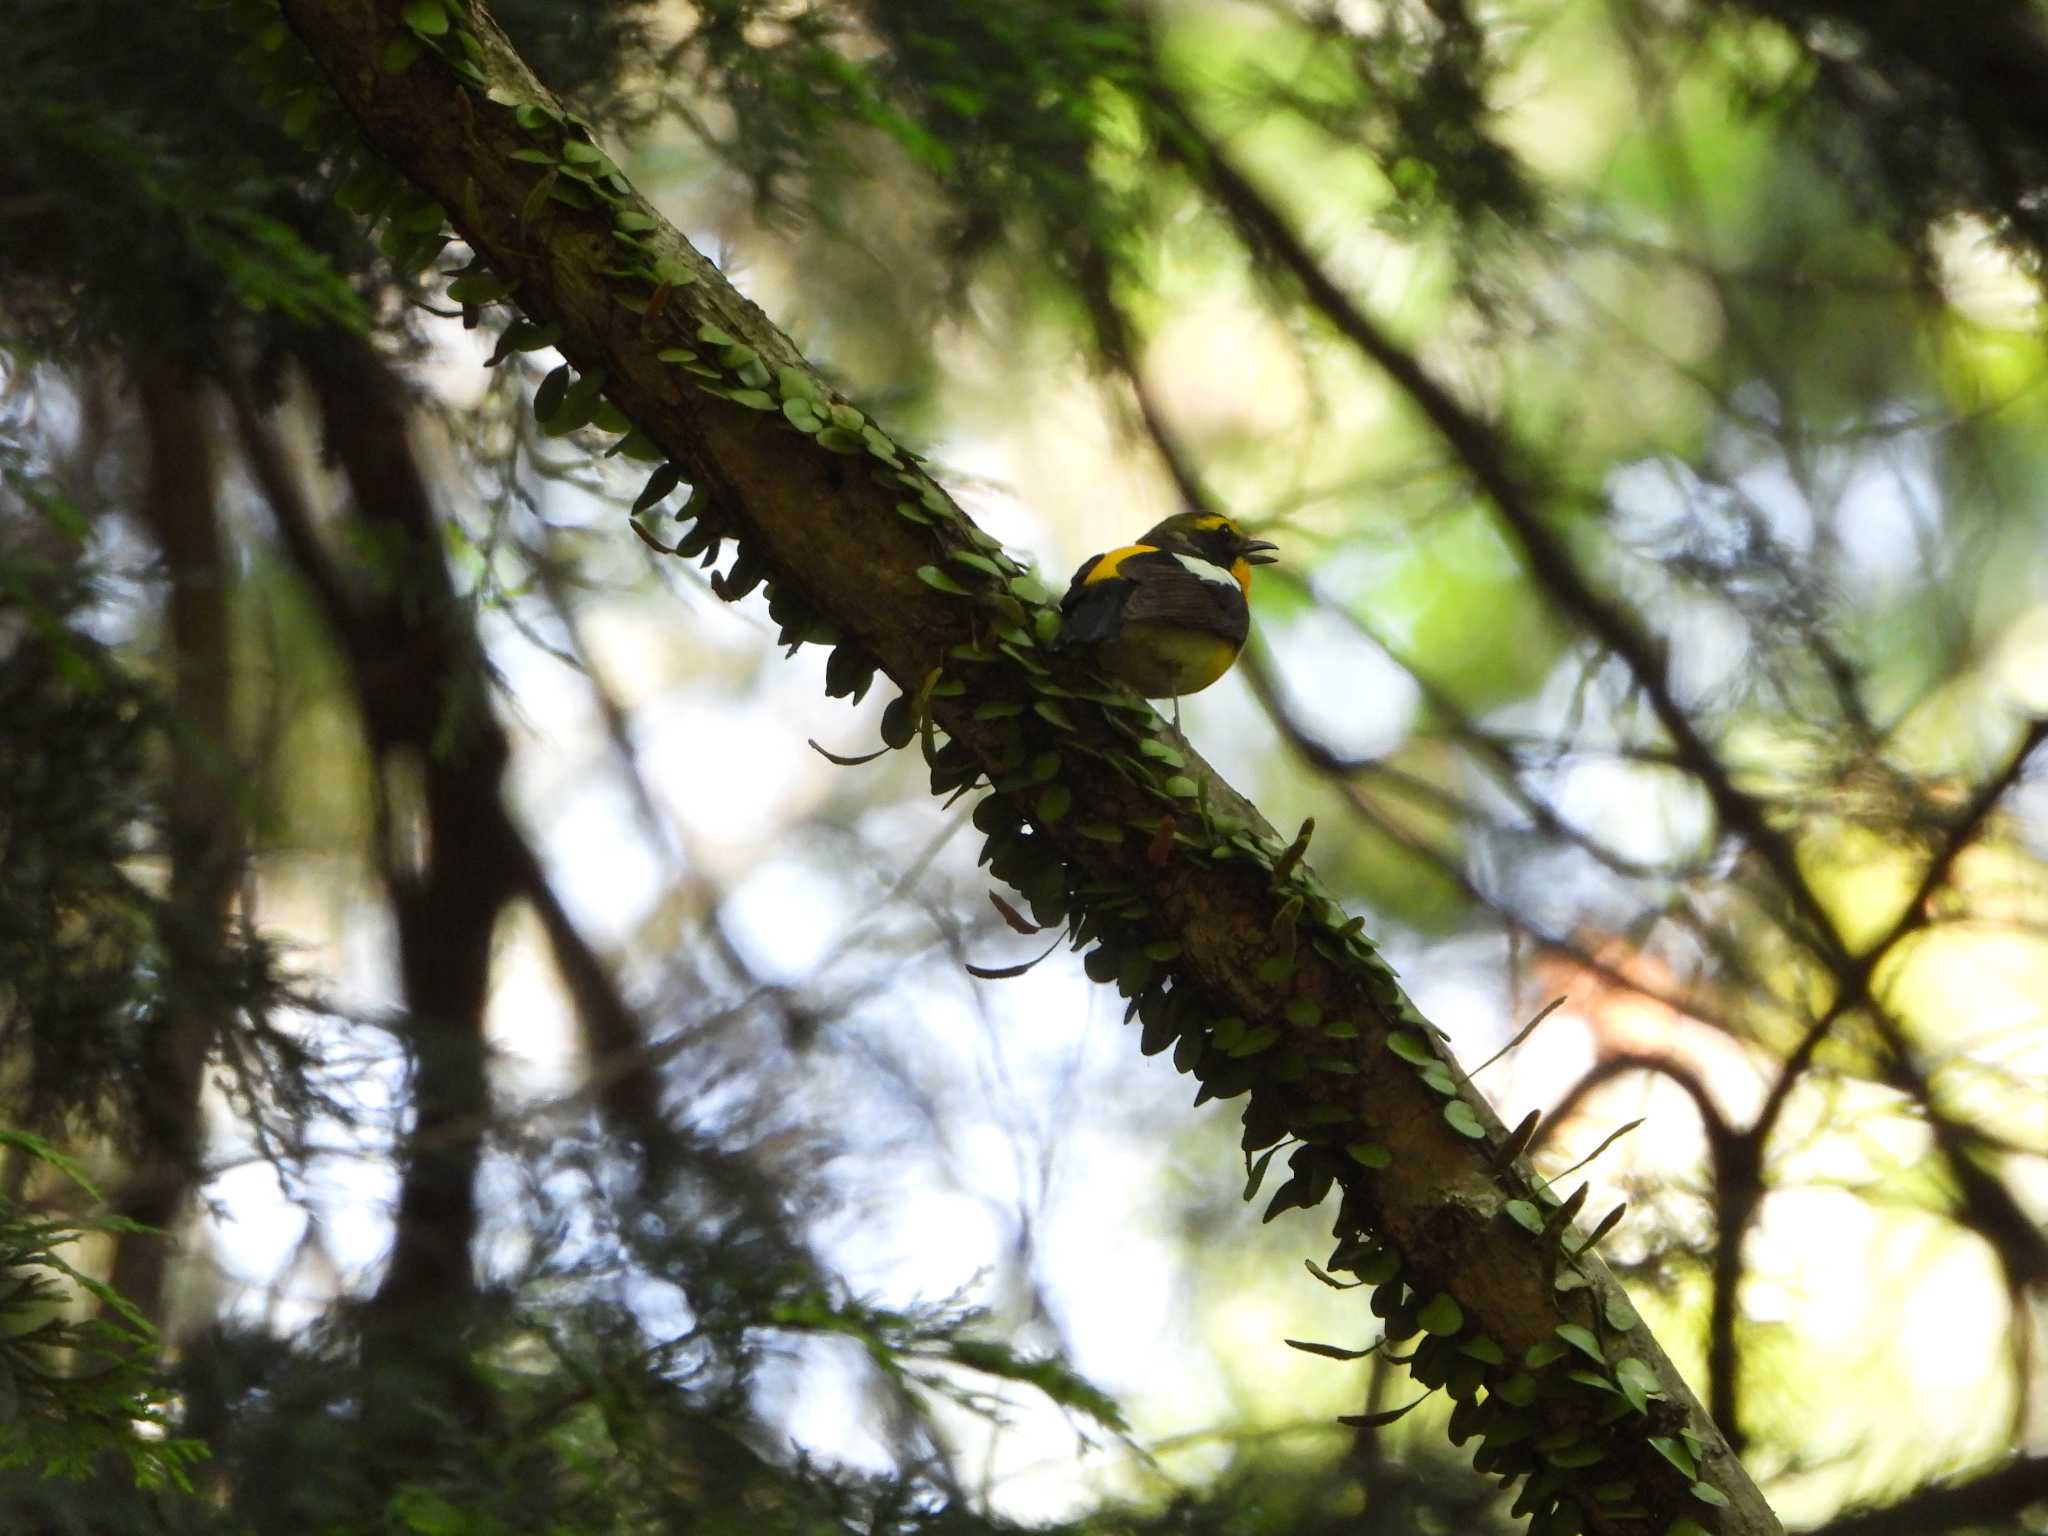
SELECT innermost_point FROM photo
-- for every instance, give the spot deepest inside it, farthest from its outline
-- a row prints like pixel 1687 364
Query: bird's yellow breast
pixel 1164 661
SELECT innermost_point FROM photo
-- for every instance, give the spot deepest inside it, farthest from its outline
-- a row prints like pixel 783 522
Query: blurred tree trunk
pixel 451 856
pixel 437 756
pixel 204 843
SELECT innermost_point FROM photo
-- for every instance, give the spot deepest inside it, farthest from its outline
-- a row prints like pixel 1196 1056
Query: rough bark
pixel 825 526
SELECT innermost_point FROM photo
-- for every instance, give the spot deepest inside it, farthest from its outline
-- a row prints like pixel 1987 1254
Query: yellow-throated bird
pixel 1167 615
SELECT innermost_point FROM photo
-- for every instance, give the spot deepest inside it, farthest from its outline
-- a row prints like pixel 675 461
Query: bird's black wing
pixel 1163 591
pixel 1092 610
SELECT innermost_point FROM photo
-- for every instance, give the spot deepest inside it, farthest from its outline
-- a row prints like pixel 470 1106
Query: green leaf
pixel 842 761
pixel 523 336
pixel 429 18
pixel 1272 969
pixel 939 581
pixel 1256 1174
pixel 1381 1420
pixel 659 484
pixel 1302 1013
pixel 1378 1266
pixel 1327 1351
pixel 974 561
pixel 898 724
pixel 1675 1452
pixel 1519 1390
pixel 478 288
pixel 400 54
pixel 1331 1280
pixel 1606 1225
pixel 849 673
pixel 1638 1383
pixel 1582 1339
pixel 1411 1048
pixel 1442 1316
pixel 428 1514
pixel 880 446
pixel 537 197
pixel 1572 1457
pixel 548 398
pixel 576 407
pixel 1485 1350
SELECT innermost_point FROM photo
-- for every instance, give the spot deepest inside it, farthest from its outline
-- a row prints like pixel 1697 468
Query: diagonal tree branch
pixel 1224 941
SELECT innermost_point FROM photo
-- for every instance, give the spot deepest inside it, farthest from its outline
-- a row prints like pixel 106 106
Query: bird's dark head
pixel 1215 538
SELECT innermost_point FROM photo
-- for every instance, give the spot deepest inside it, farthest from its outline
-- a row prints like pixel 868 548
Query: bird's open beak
pixel 1258 551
